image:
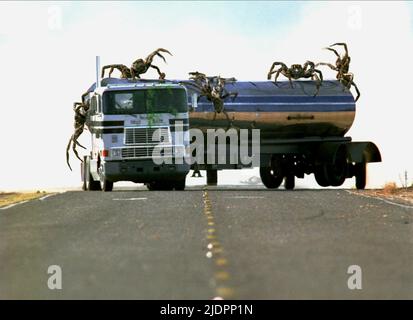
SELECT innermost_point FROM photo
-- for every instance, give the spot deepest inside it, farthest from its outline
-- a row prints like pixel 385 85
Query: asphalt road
pixel 203 244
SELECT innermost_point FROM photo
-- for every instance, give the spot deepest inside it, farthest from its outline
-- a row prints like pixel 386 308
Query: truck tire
pixel 179 185
pixel 160 186
pixel 269 179
pixel 91 185
pixel 106 185
pixel 83 173
pixel 212 177
pixel 320 177
pixel 361 176
pixel 289 182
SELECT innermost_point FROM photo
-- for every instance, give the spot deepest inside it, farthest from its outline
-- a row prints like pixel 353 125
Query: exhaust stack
pixel 98 71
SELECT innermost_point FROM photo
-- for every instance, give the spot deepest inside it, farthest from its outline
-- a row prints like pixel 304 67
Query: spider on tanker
pixel 139 66
pixel 213 88
pixel 297 71
pixel 342 67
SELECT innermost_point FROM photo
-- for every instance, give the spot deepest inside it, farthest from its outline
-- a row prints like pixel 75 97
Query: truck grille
pixel 144 152
pixel 146 135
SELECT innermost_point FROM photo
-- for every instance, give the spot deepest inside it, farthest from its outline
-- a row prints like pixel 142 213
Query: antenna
pixel 97 71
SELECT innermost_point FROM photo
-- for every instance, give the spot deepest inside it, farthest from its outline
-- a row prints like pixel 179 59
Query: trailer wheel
pixel 106 185
pixel 212 177
pixel 320 177
pixel 335 173
pixel 269 178
pixel 361 176
pixel 289 182
pixel 179 185
pixel 160 186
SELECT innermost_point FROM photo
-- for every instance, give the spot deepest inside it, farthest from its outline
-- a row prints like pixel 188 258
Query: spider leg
pixel 341 44
pixel 318 82
pixel 150 57
pixel 161 74
pixel 228 119
pixel 291 82
pixel 308 64
pixel 67 152
pixel 272 71
pixel 332 67
pixel 320 74
pixel 333 50
pixel 234 94
pixel 75 151
pixel 80 145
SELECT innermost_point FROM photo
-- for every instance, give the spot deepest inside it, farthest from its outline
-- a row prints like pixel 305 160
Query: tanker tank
pixel 278 110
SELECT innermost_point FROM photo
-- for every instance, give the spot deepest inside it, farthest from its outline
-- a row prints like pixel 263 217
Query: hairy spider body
pixel 124 70
pixel 141 66
pixel 80 109
pixel 342 67
pixel 297 71
pixel 213 88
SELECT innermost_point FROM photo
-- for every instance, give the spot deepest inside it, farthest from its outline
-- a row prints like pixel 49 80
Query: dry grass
pixel 390 188
pixel 13 197
pixel 392 192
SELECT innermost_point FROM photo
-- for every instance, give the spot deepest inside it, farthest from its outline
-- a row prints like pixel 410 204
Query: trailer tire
pixel 269 179
pixel 289 182
pixel 179 185
pixel 320 177
pixel 160 186
pixel 212 177
pixel 361 176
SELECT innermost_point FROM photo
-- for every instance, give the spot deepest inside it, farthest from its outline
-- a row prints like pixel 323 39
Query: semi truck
pixel 128 122
pixel 300 133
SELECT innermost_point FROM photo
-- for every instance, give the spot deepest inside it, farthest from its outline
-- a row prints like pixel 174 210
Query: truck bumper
pixel 141 171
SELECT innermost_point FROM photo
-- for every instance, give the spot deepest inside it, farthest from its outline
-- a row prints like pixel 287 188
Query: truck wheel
pixel 160 185
pixel 336 174
pixel 83 173
pixel 269 178
pixel 361 176
pixel 320 177
pixel 179 185
pixel 289 182
pixel 106 185
pixel 212 177
pixel 91 185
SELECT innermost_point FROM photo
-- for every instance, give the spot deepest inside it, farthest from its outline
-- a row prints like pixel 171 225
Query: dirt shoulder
pixel 8 198
pixel 400 195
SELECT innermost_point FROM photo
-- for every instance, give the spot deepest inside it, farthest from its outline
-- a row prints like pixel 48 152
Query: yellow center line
pixel 215 253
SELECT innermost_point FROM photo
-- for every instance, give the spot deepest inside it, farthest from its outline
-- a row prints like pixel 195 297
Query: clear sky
pixel 47 52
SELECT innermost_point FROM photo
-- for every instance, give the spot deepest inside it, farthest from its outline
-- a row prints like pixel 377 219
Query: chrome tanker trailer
pixel 300 132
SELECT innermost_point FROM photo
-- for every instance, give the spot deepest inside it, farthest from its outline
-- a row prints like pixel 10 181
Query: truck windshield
pixel 154 100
